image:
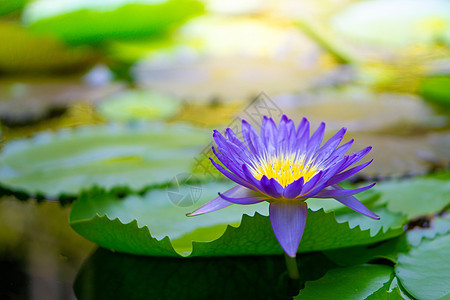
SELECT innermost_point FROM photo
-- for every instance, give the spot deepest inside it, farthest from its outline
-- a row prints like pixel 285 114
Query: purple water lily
pixel 285 166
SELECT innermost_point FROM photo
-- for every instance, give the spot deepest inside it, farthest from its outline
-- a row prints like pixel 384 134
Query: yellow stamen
pixel 283 168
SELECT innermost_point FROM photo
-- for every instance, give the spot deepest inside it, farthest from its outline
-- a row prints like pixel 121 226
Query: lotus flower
pixel 285 166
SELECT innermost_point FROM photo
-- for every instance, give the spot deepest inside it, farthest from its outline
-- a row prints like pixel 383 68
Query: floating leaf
pixel 97 21
pixel 387 220
pixel 438 226
pixel 191 278
pixel 390 291
pixel 423 271
pixel 9 6
pixel 138 105
pixel 153 225
pixel 415 197
pixel 225 79
pixel 29 100
pixel 362 110
pixel 435 89
pixel 26 51
pixel 69 161
pixel 383 22
pixel 351 256
pixel 399 155
pixel 356 283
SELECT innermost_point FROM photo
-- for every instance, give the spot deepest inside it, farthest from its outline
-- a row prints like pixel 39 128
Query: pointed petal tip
pixel 291 254
pixel 193 214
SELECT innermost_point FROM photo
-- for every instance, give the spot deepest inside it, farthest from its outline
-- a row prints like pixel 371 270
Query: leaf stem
pixel 292 268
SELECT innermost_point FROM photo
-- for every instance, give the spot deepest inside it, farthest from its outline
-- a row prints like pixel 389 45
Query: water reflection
pixel 110 275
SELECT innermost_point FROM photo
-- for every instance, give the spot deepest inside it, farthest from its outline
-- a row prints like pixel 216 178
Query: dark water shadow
pixel 109 275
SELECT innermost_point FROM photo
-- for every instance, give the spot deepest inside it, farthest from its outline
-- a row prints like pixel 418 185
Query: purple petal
pixel 251 179
pixel 286 134
pixel 357 206
pixel 294 189
pixel 216 203
pixel 355 157
pixel 251 138
pixel 231 136
pixel 330 146
pixel 227 148
pixel 343 149
pixel 244 197
pixel 310 184
pixel 316 138
pixel 303 127
pixel 269 133
pixel 348 173
pixel 302 136
pixel 271 187
pixel 231 176
pixel 341 193
pixel 229 163
pixel 288 219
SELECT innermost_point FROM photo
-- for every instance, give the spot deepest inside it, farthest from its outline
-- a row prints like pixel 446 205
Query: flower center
pixel 283 168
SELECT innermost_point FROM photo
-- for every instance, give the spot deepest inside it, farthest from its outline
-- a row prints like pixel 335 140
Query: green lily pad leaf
pixel 97 21
pixel 415 197
pixel 138 105
pixel 30 100
pixel 357 282
pixel 357 255
pixel 423 271
pixel 435 89
pixel 9 6
pixel 438 226
pixel 68 161
pixel 27 52
pixel 200 278
pixel 153 225
pixel 387 220
pixel 390 291
pixel 387 23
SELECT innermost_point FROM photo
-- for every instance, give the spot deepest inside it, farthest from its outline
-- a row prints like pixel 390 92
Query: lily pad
pixel 232 78
pixel 438 226
pixel 9 6
pixel 153 225
pixel 423 271
pixel 391 291
pixel 27 52
pixel 68 161
pixel 24 101
pixel 389 249
pixel 362 111
pixel 396 156
pixel 97 21
pixel 138 105
pixel 435 90
pixel 356 283
pixel 415 197
pixel 395 24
